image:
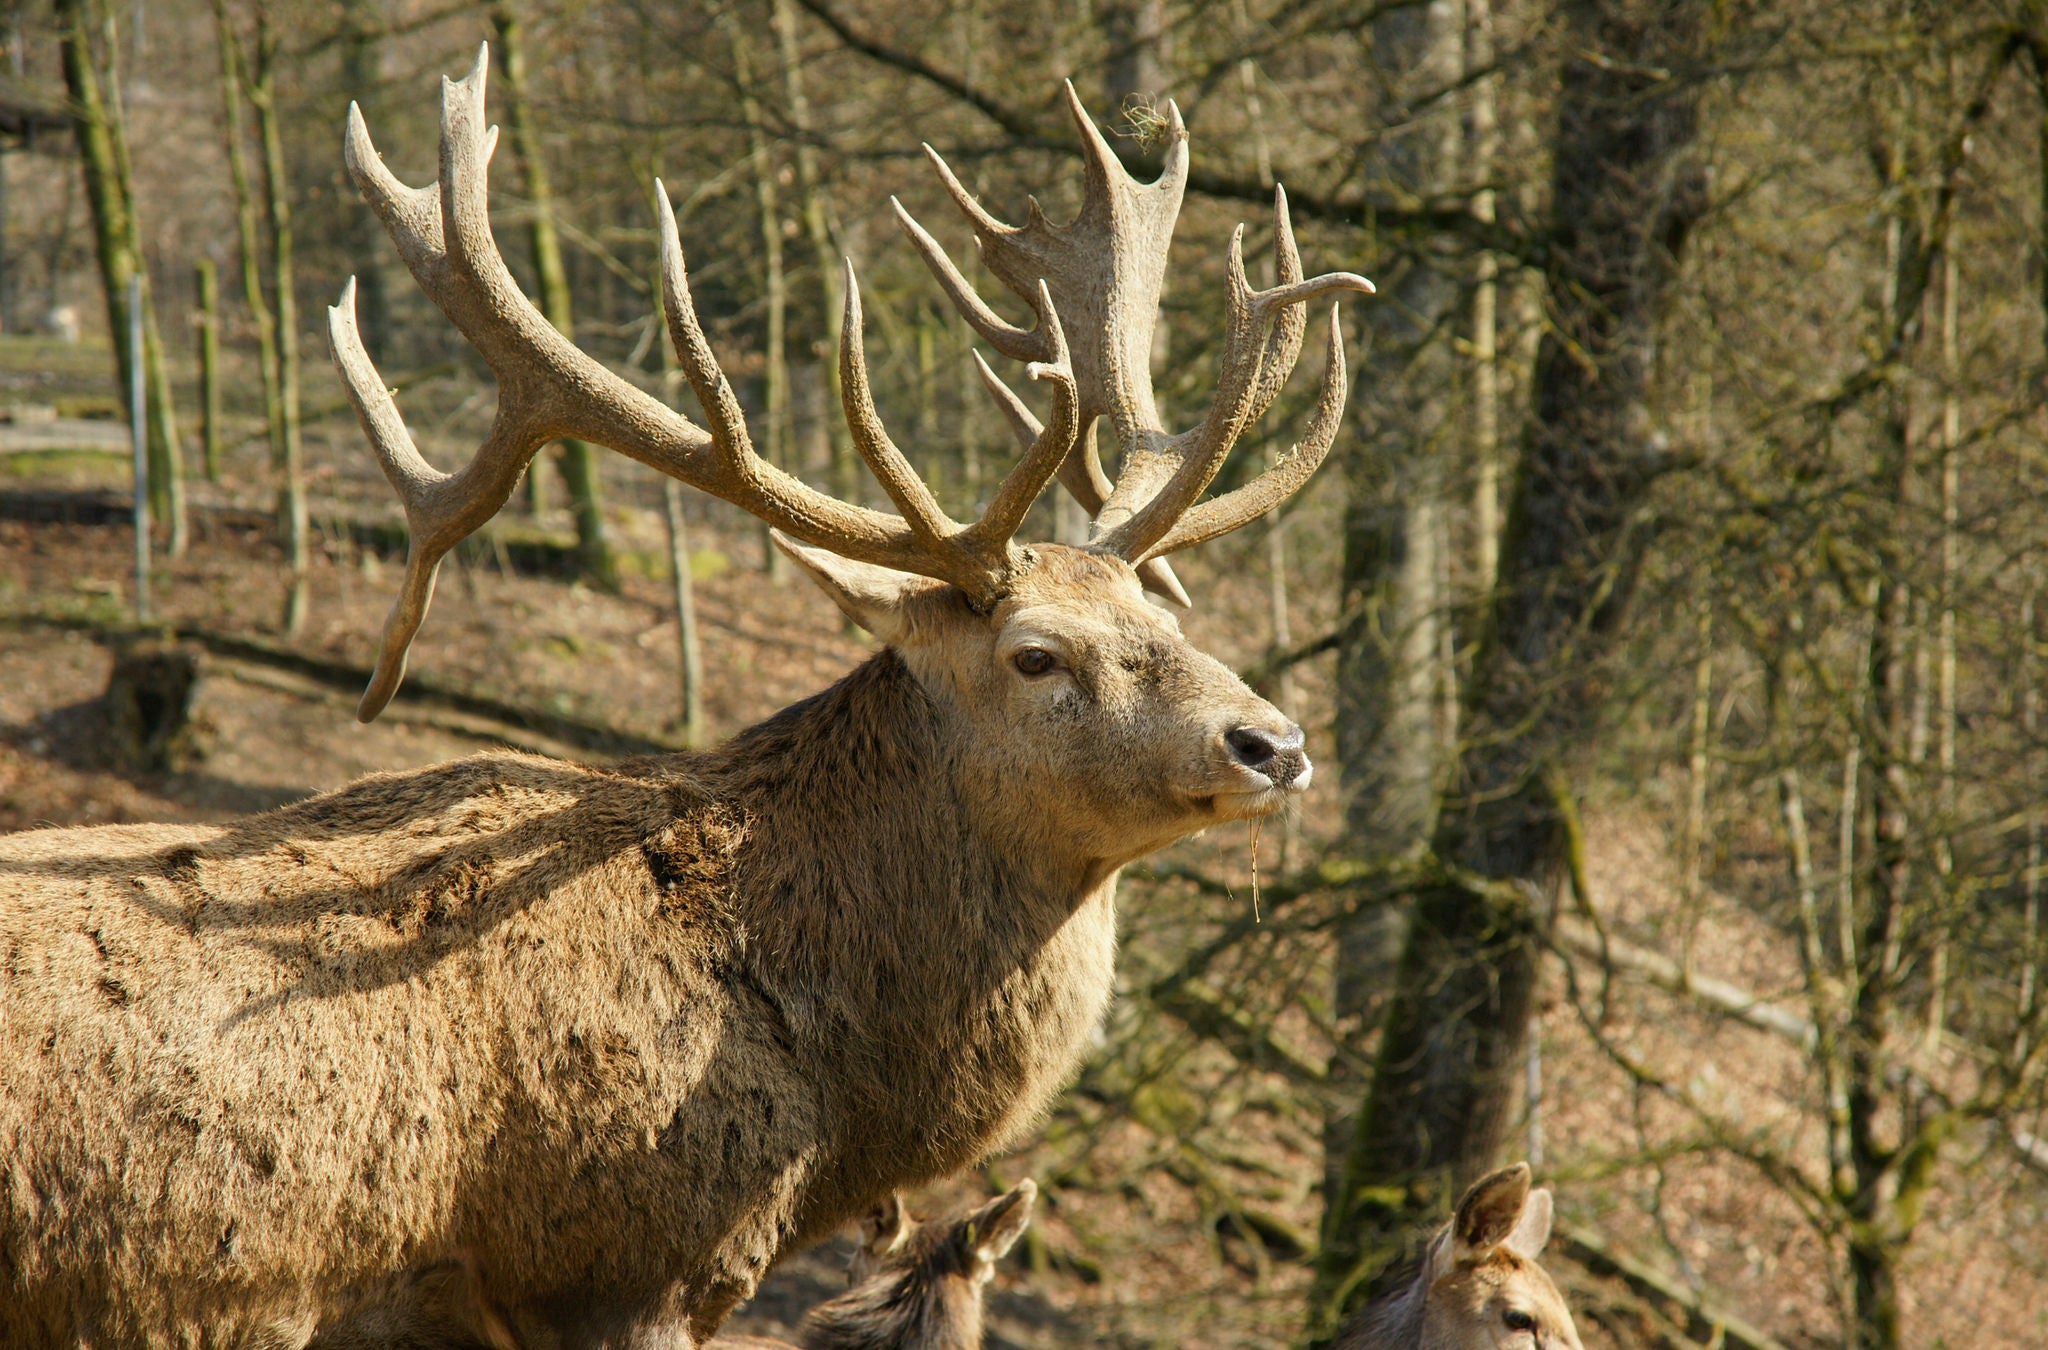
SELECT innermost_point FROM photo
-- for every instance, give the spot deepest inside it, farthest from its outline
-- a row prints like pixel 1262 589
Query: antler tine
pixel 1102 168
pixel 1048 448
pixel 1081 475
pixel 1024 423
pixel 693 352
pixel 1242 505
pixel 466 147
pixel 1019 344
pixel 913 499
pixel 440 509
pixel 411 215
pixel 1283 346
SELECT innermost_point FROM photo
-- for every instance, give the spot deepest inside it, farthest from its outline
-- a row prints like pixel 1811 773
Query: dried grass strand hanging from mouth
pixel 1254 824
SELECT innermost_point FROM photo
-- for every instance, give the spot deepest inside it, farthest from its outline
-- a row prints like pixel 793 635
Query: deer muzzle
pixel 1278 754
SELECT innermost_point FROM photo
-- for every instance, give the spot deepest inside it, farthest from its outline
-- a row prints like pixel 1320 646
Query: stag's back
pixel 268 1030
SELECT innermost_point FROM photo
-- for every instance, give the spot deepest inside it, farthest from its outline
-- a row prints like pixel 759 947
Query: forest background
pixel 1668 612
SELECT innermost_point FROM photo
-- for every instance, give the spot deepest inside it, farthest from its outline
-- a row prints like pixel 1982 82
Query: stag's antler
pixel 548 389
pixel 1105 268
pixel 1104 273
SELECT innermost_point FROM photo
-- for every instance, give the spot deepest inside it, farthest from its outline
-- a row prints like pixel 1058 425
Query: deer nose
pixel 1276 754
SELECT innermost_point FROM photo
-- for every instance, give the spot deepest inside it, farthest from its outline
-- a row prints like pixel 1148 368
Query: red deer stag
pixel 612 1038
pixel 1478 1286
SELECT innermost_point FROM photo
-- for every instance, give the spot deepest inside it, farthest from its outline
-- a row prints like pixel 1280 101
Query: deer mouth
pixel 1259 802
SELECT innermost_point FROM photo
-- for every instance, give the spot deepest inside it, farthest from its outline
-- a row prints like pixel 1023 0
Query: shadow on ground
pixel 79 736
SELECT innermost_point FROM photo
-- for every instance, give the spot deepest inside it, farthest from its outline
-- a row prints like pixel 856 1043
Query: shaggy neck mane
pixel 874 694
pixel 858 823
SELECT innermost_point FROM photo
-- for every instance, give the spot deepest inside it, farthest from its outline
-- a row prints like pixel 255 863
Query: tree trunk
pixel 149 697
pixel 102 154
pixel 689 646
pixel 930 323
pixel 1136 34
pixel 1945 637
pixel 2030 669
pixel 577 459
pixel 1389 669
pixel 1479 55
pixel 774 280
pixel 2030 887
pixel 248 226
pixel 206 279
pixel 363 24
pixel 1624 197
pixel 818 229
pixel 294 527
pixel 10 316
pixel 1285 696
pixel 691 667
pixel 1879 1125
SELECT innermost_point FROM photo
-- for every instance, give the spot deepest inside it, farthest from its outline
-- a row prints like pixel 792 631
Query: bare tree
pixel 1625 195
pixel 1391 672
pixel 249 74
pixel 109 188
pixel 577 461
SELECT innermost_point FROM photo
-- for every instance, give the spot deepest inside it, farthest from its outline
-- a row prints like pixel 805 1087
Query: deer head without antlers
pixel 1097 279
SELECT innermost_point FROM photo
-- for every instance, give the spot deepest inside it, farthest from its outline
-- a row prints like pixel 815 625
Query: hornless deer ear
pixel 1532 1230
pixel 884 1228
pixel 871 596
pixel 990 1232
pixel 1489 1212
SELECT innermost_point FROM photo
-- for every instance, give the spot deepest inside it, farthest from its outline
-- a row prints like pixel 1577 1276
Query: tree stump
pixel 149 707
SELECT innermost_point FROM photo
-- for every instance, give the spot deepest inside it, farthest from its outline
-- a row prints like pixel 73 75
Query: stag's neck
pixel 875 778
pixel 920 940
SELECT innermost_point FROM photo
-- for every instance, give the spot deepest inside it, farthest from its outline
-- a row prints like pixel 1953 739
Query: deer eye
pixel 1034 661
pixel 1518 1320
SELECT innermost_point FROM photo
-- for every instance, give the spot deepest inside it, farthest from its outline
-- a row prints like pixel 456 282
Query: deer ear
pixel 884 1228
pixel 871 596
pixel 1532 1230
pixel 990 1232
pixel 1489 1212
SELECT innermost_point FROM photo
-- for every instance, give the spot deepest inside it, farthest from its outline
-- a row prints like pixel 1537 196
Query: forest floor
pixel 1125 1254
